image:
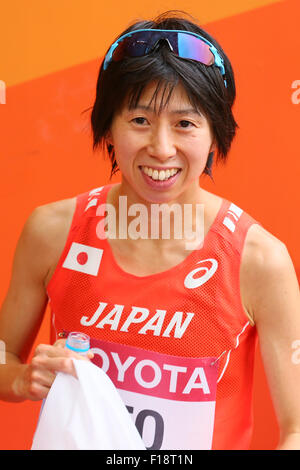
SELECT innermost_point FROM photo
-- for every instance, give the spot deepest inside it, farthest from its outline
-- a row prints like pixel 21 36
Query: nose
pixel 162 145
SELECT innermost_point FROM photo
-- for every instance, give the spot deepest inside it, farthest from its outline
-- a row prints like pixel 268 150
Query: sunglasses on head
pixel 185 44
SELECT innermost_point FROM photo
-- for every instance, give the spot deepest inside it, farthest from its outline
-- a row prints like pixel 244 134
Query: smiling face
pixel 161 155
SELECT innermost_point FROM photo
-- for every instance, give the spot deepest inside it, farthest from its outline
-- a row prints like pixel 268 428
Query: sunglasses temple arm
pixel 108 56
pixel 219 62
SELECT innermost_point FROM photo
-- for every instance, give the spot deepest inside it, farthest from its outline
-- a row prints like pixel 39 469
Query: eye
pixel 139 120
pixel 185 124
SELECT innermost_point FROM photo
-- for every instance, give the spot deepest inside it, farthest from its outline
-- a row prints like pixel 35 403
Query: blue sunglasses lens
pixel 191 47
pixel 130 47
pixel 184 45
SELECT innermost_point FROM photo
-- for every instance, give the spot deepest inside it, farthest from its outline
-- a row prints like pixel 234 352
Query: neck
pixel 159 223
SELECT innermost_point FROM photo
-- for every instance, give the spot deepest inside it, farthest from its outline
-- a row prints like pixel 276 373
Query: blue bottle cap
pixel 78 342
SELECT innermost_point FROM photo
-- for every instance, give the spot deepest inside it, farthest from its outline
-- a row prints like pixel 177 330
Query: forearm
pixel 10 374
pixel 290 441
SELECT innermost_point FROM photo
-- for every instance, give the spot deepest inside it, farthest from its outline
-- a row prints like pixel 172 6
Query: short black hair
pixel 204 85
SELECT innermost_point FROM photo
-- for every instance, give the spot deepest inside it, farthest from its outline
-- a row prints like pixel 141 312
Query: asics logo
pixel 191 282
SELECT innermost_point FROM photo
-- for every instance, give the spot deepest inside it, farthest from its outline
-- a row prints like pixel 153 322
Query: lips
pixel 159 174
pixel 160 178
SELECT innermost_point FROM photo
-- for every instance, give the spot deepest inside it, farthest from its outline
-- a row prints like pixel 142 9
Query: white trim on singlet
pixel 229 352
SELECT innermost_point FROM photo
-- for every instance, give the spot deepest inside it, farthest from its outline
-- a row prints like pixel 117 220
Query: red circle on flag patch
pixel 82 258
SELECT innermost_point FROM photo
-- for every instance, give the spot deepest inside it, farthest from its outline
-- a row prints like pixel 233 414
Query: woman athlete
pixel 173 323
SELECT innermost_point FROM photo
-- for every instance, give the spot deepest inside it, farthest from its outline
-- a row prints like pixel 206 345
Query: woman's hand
pixel 37 377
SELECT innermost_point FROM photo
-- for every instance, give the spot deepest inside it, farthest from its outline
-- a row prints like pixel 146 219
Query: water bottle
pixel 78 342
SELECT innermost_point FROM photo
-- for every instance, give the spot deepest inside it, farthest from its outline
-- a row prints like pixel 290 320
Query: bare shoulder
pixel 265 260
pixel 263 250
pixel 259 243
pixel 49 220
pixel 45 232
pixel 57 211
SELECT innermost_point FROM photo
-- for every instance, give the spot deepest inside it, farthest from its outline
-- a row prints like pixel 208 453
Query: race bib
pixel 171 399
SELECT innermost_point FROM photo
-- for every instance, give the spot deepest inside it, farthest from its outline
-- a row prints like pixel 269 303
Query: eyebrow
pixel 186 111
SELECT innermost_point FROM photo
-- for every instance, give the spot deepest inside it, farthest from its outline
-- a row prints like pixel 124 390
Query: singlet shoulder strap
pixel 87 203
pixel 233 225
pixel 86 206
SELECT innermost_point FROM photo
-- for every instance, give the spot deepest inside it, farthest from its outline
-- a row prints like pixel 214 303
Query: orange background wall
pixel 50 56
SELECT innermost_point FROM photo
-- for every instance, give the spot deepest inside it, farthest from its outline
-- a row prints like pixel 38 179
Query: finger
pixel 42 376
pixel 60 343
pixel 57 364
pixel 38 392
pixel 44 351
pixel 52 351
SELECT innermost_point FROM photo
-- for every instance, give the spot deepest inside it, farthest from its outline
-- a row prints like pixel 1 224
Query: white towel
pixel 85 414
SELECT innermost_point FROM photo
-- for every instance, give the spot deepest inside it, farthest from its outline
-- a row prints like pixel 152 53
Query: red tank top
pixel 177 344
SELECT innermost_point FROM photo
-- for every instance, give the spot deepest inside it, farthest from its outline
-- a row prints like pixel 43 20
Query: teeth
pixel 159 175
